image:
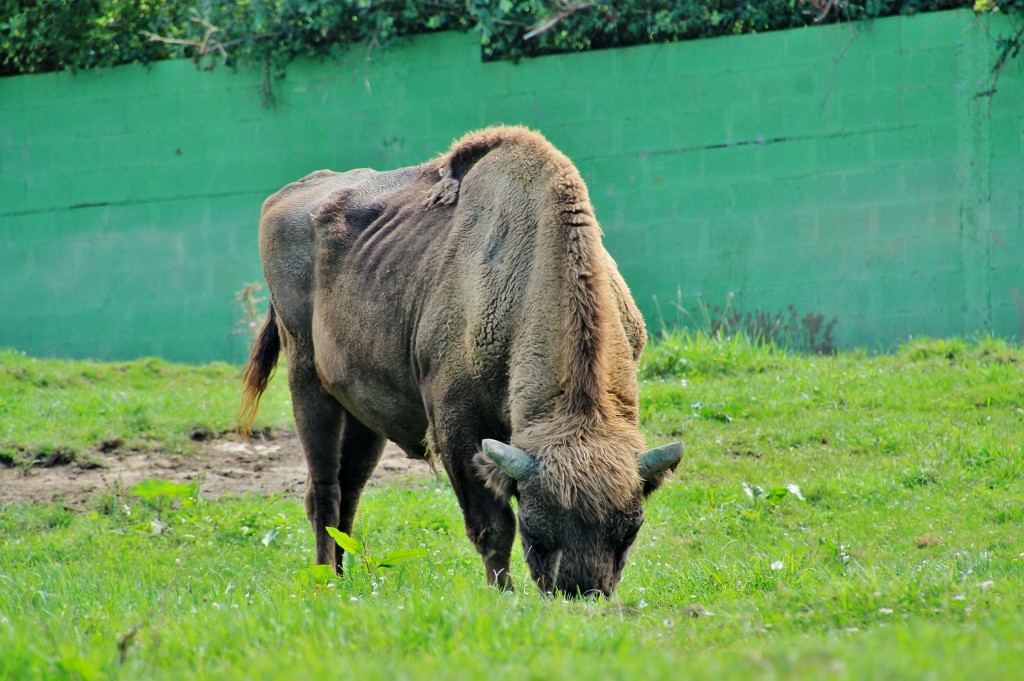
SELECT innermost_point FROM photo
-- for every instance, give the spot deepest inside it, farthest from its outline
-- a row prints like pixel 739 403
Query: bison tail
pixel 258 371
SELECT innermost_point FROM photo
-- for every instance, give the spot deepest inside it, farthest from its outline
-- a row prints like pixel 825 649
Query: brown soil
pixel 233 467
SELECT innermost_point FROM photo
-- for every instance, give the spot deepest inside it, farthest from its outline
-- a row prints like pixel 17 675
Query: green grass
pixel 61 411
pixel 903 560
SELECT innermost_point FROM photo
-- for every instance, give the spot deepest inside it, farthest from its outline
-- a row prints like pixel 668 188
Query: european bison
pixel 453 307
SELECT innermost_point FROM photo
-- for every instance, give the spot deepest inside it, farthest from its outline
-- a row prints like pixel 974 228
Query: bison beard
pixel 464 309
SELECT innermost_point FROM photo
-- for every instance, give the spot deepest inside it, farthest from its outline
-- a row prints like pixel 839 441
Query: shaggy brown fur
pixel 587 445
pixel 463 299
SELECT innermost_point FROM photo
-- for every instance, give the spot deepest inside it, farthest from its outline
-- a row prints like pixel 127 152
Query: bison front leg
pixel 490 523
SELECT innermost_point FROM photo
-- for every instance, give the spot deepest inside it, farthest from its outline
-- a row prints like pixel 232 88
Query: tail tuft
pixel 258 372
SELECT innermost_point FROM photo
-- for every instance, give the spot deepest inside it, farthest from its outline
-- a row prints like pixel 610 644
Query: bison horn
pixel 516 463
pixel 656 461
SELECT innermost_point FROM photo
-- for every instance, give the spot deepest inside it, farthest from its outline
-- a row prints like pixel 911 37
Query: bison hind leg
pixel 318 420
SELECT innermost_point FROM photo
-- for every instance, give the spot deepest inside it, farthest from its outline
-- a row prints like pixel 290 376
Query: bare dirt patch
pixel 222 466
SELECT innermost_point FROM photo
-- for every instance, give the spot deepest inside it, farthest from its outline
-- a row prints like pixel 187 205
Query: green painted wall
pixel 842 171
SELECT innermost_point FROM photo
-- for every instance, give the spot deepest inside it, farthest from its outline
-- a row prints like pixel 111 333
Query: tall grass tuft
pixel 684 352
pixel 984 350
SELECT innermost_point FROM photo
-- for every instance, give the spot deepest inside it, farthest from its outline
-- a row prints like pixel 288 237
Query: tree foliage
pixel 51 35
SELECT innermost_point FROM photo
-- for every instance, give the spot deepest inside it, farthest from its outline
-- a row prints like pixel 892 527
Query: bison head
pixel 573 550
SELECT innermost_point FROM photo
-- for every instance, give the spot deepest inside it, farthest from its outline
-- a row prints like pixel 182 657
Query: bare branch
pixel 208 44
pixel 825 7
pixel 563 13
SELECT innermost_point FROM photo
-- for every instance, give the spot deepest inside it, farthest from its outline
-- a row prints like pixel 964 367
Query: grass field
pixel 847 517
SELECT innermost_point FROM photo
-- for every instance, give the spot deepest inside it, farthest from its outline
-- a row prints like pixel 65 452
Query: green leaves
pixel 155 490
pixel 355 548
pixel 317 575
pixel 41 35
pixel 38 36
pixel 393 558
pixel 349 544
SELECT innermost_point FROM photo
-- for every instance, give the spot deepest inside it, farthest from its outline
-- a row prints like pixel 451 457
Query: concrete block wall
pixel 848 174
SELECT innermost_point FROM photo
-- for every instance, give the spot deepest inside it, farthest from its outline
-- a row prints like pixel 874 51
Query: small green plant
pixel 162 493
pixel 835 550
pixel 774 495
pixel 354 548
pixel 762 500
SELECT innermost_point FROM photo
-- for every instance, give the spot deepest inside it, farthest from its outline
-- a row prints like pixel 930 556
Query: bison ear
pixel 514 462
pixel 654 462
